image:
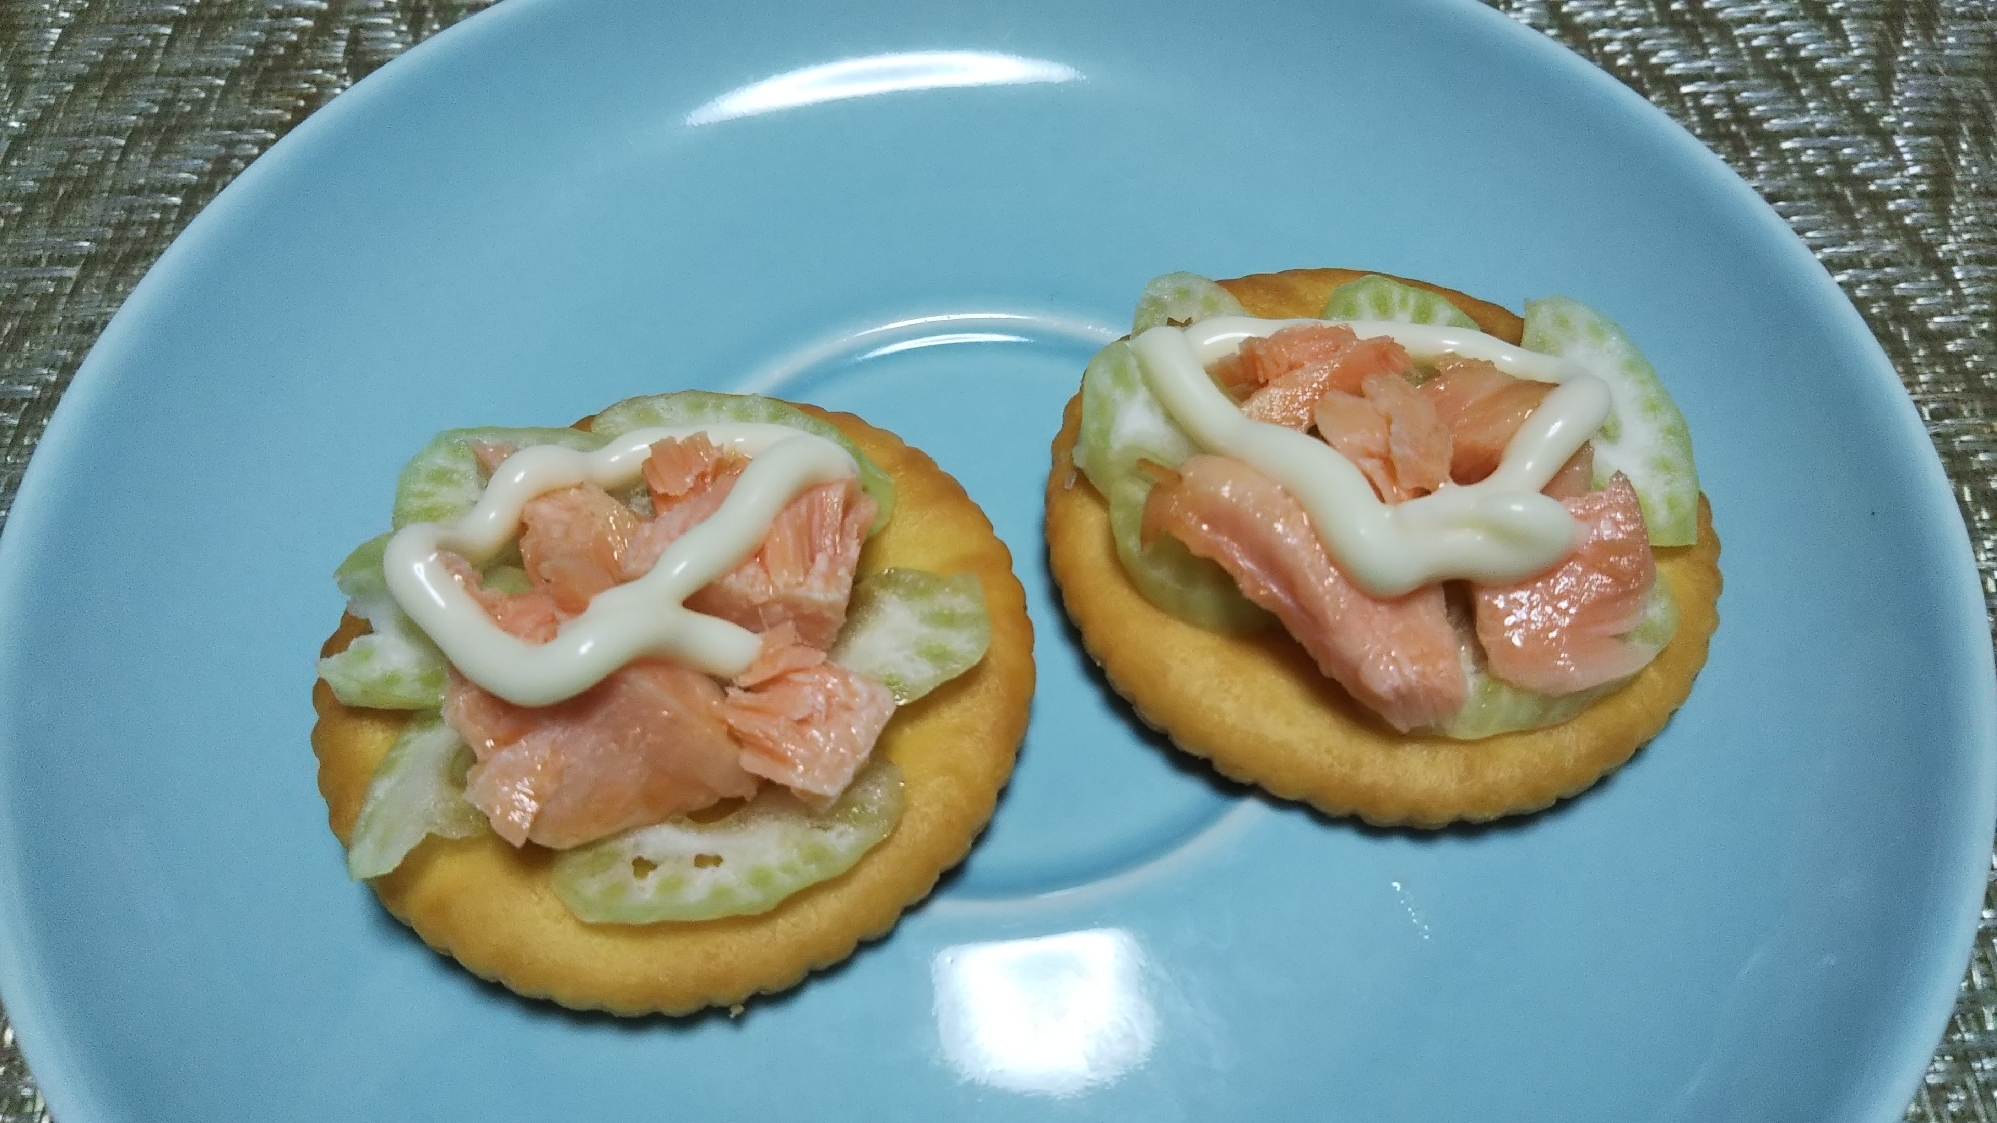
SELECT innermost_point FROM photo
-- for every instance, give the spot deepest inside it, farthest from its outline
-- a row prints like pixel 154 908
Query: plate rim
pixel 1958 584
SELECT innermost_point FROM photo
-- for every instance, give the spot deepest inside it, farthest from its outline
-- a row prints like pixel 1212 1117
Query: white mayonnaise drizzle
pixel 1497 530
pixel 641 617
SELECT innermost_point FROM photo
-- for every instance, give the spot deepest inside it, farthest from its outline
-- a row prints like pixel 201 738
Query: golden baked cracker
pixel 1262 712
pixel 492 907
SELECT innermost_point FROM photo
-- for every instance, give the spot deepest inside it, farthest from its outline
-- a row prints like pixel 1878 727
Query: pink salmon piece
pixel 803 572
pixel 573 541
pixel 491 454
pixel 645 744
pixel 1483 408
pixel 1398 657
pixel 780 654
pixel 532 616
pixel 1290 400
pixel 809 729
pixel 1261 361
pixel 678 468
pixel 1563 631
pixel 1391 433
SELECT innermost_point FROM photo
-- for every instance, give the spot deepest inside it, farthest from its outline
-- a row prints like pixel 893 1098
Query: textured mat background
pixel 1871 126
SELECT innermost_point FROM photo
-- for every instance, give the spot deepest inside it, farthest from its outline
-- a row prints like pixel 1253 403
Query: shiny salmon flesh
pixel 1397 656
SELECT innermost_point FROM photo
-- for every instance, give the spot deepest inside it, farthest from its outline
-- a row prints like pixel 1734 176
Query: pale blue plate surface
pixel 561 204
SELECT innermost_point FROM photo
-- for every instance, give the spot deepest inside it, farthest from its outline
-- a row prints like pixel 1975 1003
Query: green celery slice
pixel 417 790
pixel 395 667
pixel 913 630
pixel 1123 422
pixel 443 480
pixel 1182 298
pixel 1495 706
pixel 1645 437
pixel 702 407
pixel 740 865
pixel 360 574
pixel 1374 297
pixel 1172 577
pixel 506 579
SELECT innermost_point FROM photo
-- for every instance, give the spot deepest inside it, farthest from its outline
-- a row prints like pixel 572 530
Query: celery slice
pixel 1182 298
pixel 395 667
pixel 914 631
pixel 1645 437
pixel 740 865
pixel 506 579
pixel 417 790
pixel 1172 577
pixel 1123 422
pixel 1374 297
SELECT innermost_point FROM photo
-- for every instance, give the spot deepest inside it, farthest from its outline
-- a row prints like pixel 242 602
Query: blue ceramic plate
pixel 931 218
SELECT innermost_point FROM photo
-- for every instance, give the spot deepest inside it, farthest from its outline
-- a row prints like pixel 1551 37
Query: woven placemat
pixel 1870 126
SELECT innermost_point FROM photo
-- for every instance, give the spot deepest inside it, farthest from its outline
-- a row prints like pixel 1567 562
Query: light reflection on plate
pixel 879 74
pixel 1050 1016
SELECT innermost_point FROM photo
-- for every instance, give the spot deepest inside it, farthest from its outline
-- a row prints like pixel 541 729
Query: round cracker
pixel 1261 711
pixel 493 909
